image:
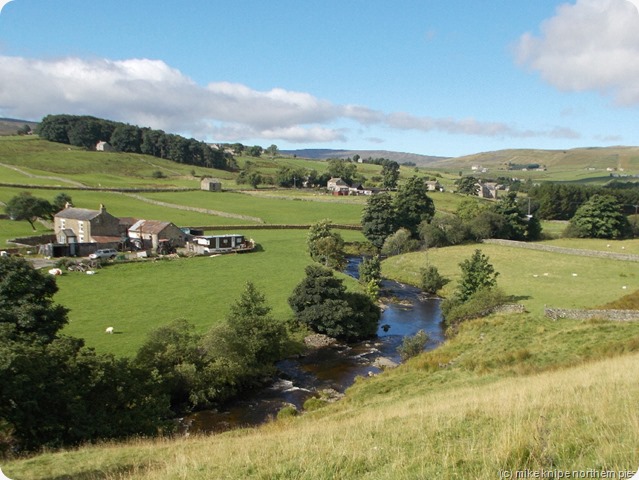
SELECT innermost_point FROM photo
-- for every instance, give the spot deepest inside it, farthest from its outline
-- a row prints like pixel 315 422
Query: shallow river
pixel 332 367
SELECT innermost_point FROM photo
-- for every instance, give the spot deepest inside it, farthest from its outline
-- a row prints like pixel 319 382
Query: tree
pixel 412 346
pixel 413 205
pixel 517 224
pixel 390 174
pixel 431 280
pixel 400 242
pixel 342 169
pixel 467 186
pixel 324 245
pixel 272 151
pixel 255 338
pixel 477 274
pixel 60 202
pixel 378 219
pixel 24 130
pixel 321 302
pixel 600 217
pixel 370 270
pixel 172 352
pixel 25 206
pixel 26 301
pixel 254 151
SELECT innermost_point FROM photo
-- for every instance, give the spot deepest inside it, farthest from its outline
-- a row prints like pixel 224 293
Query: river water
pixel 407 311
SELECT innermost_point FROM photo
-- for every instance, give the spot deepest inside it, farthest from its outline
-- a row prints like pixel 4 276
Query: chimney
pixel 102 208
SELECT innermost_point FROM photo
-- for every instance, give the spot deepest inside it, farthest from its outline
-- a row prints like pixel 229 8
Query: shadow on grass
pixel 101 474
pixel 518 298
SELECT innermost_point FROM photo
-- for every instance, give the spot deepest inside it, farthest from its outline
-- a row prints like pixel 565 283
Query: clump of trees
pixel 407 221
pixel 600 216
pixel 384 215
pixel 199 370
pixel 322 303
pixel 86 132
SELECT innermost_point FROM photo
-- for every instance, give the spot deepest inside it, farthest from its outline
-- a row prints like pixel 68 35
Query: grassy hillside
pixel 534 278
pixel 574 165
pixel 508 393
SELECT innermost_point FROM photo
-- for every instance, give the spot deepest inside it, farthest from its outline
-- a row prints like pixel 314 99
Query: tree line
pixel 86 131
pixel 560 201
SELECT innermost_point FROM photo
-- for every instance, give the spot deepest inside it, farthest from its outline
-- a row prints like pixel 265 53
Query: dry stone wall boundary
pixel 567 251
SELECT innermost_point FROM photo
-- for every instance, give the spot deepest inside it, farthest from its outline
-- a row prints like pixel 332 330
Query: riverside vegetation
pixel 506 392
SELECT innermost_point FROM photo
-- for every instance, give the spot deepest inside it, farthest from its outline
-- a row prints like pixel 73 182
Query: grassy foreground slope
pixel 508 393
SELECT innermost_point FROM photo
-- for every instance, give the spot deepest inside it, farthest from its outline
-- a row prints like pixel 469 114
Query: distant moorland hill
pixel 9 126
pixel 620 157
pixel 400 157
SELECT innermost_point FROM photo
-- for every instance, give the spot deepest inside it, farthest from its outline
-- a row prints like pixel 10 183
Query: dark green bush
pixel 479 304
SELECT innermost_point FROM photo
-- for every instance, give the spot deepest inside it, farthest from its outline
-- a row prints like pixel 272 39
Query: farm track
pixel 45 177
pixel 327 199
pixel 206 211
pixel 627 257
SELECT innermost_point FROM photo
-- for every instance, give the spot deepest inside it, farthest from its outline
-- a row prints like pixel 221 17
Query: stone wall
pixel 567 251
pixel 614 315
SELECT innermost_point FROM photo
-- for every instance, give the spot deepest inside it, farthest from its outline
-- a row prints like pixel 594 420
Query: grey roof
pixel 78 213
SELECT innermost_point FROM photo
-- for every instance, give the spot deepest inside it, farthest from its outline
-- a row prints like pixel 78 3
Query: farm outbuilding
pixel 211 184
pixel 220 244
pixel 146 234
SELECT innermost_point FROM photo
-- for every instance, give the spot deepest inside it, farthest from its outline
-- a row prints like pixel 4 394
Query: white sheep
pixel 109 330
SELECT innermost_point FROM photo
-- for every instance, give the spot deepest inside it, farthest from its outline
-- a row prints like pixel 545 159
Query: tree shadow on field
pixel 518 298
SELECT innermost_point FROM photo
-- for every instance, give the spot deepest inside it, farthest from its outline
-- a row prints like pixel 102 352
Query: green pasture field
pixel 597 281
pixel 106 169
pixel 271 210
pixel 136 297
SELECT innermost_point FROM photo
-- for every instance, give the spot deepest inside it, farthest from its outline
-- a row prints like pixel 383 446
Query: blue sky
pixel 434 77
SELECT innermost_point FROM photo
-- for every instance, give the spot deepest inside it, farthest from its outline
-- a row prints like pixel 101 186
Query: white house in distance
pixel 102 146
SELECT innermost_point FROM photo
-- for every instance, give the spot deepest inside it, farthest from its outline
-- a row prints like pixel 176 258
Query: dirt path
pixel 45 177
pixel 206 211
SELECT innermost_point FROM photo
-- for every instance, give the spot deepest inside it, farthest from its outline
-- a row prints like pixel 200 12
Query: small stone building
pixel 211 184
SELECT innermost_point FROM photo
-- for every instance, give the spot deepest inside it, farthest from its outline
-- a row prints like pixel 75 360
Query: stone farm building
pixel 145 234
pixel 81 225
pixel 83 231
pixel 211 184
pixel 337 186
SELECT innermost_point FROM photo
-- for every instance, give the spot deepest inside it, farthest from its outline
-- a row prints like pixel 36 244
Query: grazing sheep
pixel 109 330
pixel 574 274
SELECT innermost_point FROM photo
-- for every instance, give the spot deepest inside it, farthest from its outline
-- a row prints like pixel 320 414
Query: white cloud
pixel 3 3
pixel 592 45
pixel 151 93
